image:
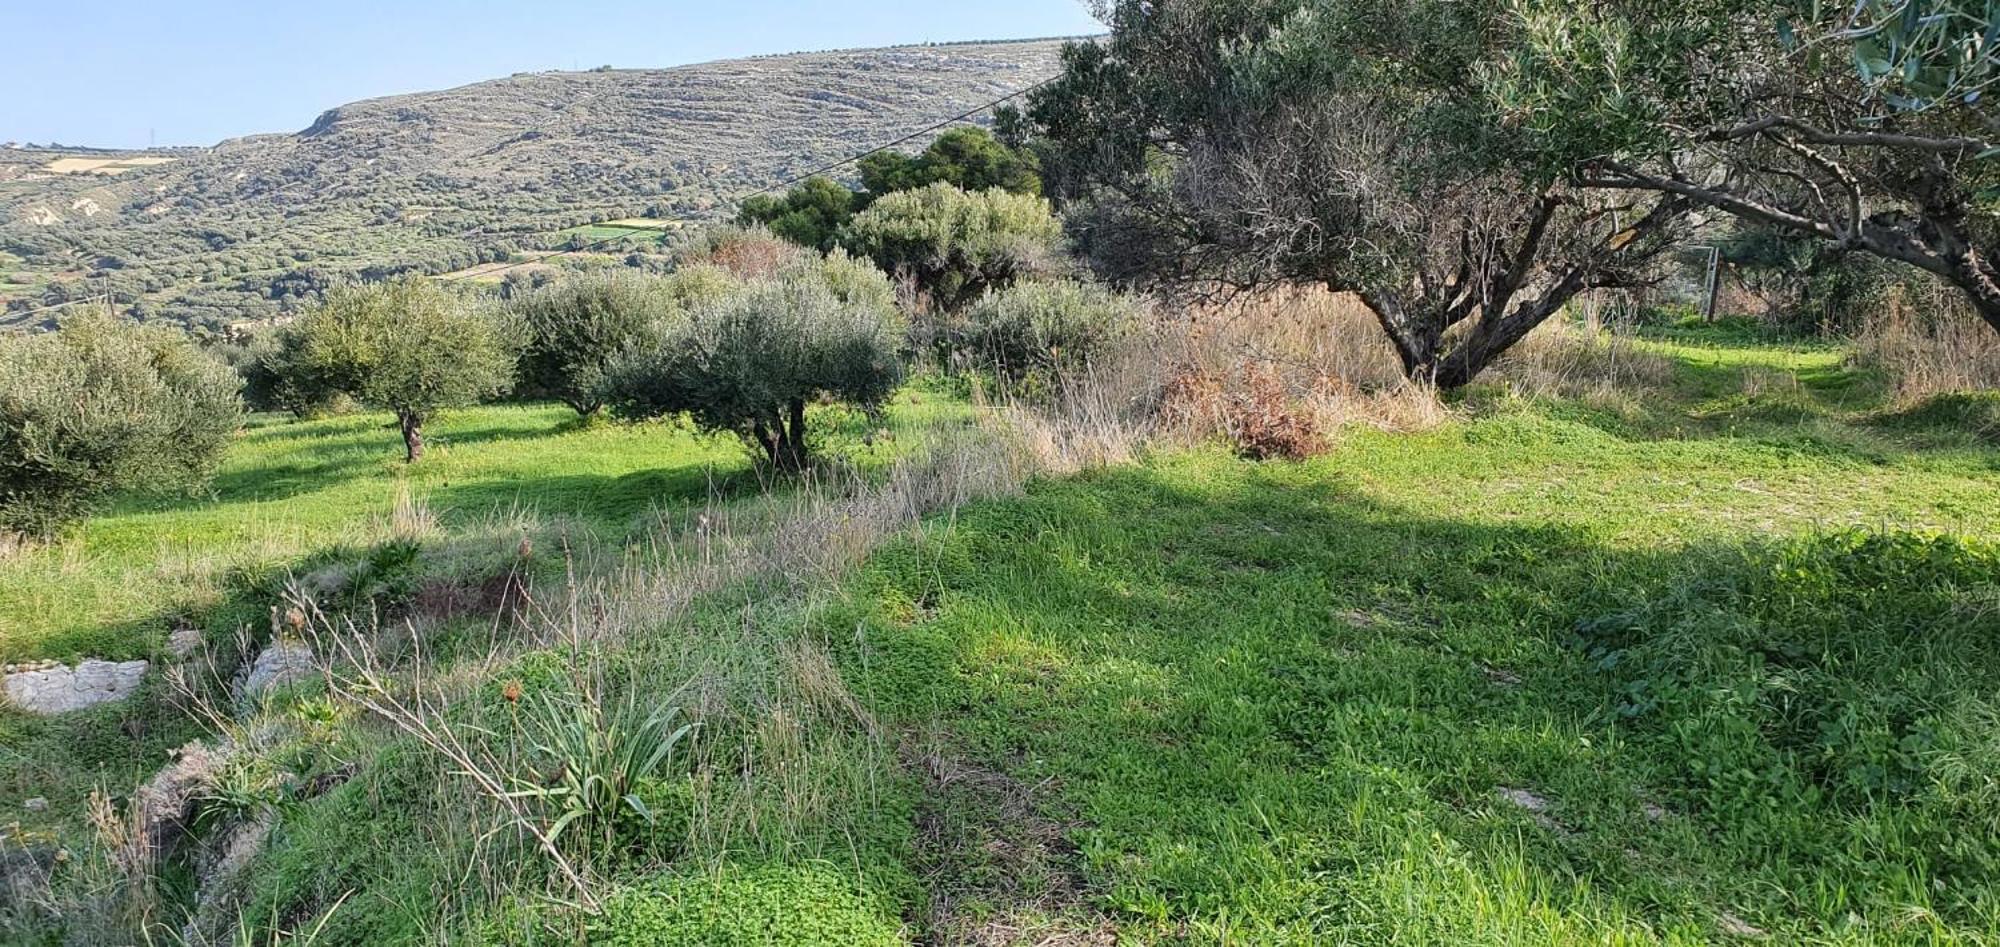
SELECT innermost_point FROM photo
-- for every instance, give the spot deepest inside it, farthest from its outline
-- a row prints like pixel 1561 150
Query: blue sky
pixel 118 73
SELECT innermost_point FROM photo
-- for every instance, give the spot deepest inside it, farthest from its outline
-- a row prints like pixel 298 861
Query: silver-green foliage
pixel 409 346
pixel 576 328
pixel 956 244
pixel 1037 328
pixel 750 361
pixel 102 407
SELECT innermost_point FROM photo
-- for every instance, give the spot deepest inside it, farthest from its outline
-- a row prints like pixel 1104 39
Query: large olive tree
pixel 575 328
pixel 1863 125
pixel 1247 143
pixel 101 407
pixel 409 346
pixel 751 361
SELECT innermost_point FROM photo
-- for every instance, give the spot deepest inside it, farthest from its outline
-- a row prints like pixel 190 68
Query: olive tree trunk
pixel 412 425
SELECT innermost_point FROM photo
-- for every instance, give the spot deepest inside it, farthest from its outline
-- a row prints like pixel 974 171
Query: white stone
pixel 284 662
pixel 61 689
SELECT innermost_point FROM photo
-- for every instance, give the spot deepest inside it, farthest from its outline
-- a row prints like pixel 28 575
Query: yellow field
pixel 109 166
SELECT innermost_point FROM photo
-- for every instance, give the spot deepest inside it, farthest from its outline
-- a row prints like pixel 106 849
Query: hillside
pixel 437 181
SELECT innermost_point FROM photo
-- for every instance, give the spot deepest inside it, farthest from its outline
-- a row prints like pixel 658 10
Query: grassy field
pixel 124 580
pixel 597 233
pixel 1709 661
pixel 1551 675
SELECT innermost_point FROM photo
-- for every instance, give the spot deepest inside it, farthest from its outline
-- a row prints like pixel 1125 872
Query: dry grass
pixel 1930 343
pixel 1581 361
pixel 1281 373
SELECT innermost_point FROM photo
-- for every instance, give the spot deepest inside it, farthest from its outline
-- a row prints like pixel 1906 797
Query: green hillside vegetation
pixel 437 182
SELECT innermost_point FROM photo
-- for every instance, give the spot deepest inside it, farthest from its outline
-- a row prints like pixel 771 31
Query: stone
pixel 1737 927
pixel 184 642
pixel 283 663
pixel 1534 805
pixel 37 804
pixel 56 689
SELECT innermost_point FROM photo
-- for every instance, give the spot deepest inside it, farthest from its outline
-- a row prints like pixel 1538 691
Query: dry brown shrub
pixel 1264 423
pixel 1289 367
pixel 747 253
pixel 1930 342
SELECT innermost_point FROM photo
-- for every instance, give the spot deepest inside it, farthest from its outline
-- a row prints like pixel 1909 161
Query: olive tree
pixel 1218 145
pixel 100 407
pixel 1861 125
pixel 751 361
pixel 956 244
pixel 968 158
pixel 409 346
pixel 1042 327
pixel 575 328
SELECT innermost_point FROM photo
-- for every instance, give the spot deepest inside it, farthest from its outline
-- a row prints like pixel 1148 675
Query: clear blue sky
pixel 109 73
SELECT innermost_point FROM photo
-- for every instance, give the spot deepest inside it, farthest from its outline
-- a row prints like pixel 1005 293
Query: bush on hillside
pixel 576 327
pixel 969 158
pixel 1035 329
pixel 956 245
pixel 409 346
pixel 750 362
pixel 743 252
pixel 102 407
pixel 274 379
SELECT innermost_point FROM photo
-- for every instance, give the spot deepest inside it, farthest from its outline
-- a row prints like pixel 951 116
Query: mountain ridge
pixel 435 181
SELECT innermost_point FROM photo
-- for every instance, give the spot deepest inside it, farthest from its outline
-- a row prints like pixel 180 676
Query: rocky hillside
pixel 442 180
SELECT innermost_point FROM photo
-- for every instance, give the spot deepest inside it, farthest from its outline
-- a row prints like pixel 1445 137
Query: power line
pixel 785 184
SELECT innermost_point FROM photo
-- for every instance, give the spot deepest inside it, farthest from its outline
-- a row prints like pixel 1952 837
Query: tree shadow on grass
pixel 607 502
pixel 1281 710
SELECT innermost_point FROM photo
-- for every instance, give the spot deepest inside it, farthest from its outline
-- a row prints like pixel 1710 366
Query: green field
pixel 600 233
pixel 1710 661
pixel 117 586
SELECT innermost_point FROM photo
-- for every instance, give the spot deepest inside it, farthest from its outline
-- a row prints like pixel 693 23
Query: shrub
pixel 742 252
pixel 576 327
pixel 970 158
pixel 101 407
pixel 1039 328
pixel 810 214
pixel 956 245
pixel 274 379
pixel 1264 423
pixel 750 362
pixel 409 346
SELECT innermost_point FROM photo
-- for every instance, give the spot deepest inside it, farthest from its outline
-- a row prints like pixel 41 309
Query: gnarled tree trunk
pixel 412 425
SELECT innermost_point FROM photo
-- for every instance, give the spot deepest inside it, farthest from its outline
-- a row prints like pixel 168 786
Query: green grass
pixel 1284 703
pixel 596 233
pixel 287 490
pixel 1736 638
